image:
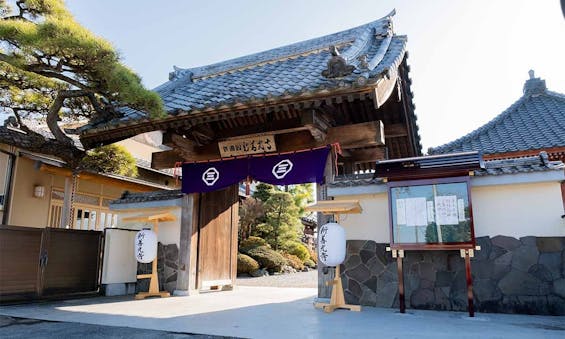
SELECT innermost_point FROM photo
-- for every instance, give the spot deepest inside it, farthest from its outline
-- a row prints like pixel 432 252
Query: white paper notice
pixel 446 210
pixel 416 212
pixel 461 209
pixel 431 217
pixel 400 212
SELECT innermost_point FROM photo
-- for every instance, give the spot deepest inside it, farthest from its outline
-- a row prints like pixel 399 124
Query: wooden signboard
pixel 244 146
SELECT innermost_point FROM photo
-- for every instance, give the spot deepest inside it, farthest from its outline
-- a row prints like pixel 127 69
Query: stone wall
pixel 525 275
pixel 167 266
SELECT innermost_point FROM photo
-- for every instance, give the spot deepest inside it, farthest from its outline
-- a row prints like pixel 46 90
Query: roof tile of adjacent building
pixel 535 122
pixel 529 164
pixel 129 197
pixel 293 70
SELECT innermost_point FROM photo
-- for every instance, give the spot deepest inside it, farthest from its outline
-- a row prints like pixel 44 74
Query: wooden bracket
pixel 396 253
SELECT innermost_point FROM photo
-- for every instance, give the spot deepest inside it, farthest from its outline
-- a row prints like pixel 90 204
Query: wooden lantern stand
pixel 154 282
pixel 336 207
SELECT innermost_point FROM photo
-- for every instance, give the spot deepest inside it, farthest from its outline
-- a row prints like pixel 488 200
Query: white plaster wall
pixel 169 232
pixel 518 210
pixel 119 261
pixel 372 223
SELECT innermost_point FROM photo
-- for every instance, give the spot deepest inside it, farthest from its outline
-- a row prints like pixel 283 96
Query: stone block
pixel 371 284
pixel 386 294
pixel 354 246
pixel 486 247
pixel 422 298
pixel 370 246
pixel 482 269
pixel 171 278
pixel 555 305
pixel 350 298
pixel 360 273
pixel 521 283
pixel 541 272
pixel 504 242
pixel 559 287
pixel 499 271
pixel 549 244
pixel 441 300
pixel 352 262
pixel 171 252
pixel 486 290
pixel 496 252
pixel 366 256
pixel 425 283
pixel 524 257
pixel 444 278
pixel 553 263
pixel 369 298
pixel 375 266
pixel 427 271
pixel 354 288
pixel 529 241
pixel 114 289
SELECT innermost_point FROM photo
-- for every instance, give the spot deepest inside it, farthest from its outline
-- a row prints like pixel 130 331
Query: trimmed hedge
pixel 299 250
pixel 252 242
pixel 294 261
pixel 246 264
pixel 268 258
pixel 310 263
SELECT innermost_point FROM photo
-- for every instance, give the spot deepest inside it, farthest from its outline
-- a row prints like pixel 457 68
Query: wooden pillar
pixel 399 255
pixel 469 278
pixel 186 280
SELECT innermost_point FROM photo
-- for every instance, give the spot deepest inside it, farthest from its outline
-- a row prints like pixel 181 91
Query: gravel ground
pixel 300 279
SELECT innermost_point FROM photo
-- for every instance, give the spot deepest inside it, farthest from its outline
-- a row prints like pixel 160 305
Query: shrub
pixel 310 263
pixel 294 261
pixel 246 264
pixel 268 258
pixel 298 249
pixel 313 255
pixel 252 242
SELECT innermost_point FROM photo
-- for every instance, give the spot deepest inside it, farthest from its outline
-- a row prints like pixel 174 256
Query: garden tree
pixel 263 191
pixel 111 159
pixel 282 223
pixel 52 69
pixel 303 195
pixel 250 214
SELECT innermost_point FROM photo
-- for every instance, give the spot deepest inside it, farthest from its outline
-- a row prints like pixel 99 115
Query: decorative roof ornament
pixel 337 65
pixel 180 74
pixel 534 86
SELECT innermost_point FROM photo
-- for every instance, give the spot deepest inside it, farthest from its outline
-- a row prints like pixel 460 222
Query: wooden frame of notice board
pixel 459 206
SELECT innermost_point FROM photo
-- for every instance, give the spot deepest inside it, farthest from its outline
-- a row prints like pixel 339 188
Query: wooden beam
pixel 384 88
pixel 98 178
pixel 349 136
pixel 396 130
pixel 366 155
pixel 316 123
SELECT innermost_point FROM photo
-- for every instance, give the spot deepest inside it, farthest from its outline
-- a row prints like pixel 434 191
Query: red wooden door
pixel 217 250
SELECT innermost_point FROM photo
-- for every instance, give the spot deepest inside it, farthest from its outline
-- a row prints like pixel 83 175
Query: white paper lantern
pixel 331 244
pixel 145 246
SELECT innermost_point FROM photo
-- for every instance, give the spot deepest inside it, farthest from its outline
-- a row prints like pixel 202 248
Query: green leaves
pixel 110 159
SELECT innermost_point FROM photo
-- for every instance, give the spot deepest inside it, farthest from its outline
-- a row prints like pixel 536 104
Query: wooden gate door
pixel 46 262
pixel 73 261
pixel 19 262
pixel 217 250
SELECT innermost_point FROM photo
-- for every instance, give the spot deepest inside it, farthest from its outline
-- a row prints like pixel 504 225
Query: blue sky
pixel 469 59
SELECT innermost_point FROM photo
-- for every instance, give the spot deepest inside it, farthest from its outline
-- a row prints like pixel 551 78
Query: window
pixel 434 213
pixel 91 212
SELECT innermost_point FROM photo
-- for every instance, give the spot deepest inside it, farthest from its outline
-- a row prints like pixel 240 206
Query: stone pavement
pixel 16 328
pixel 299 279
pixel 275 312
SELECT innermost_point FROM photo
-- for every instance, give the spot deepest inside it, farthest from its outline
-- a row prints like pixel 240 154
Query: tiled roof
pixel 535 122
pixel 128 197
pixel 539 163
pixel 291 70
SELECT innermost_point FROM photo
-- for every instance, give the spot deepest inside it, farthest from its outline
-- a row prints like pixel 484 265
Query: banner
pixel 289 169
pixel 285 169
pixel 213 175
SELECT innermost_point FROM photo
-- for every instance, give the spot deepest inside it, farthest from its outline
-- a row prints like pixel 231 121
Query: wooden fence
pixel 48 262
